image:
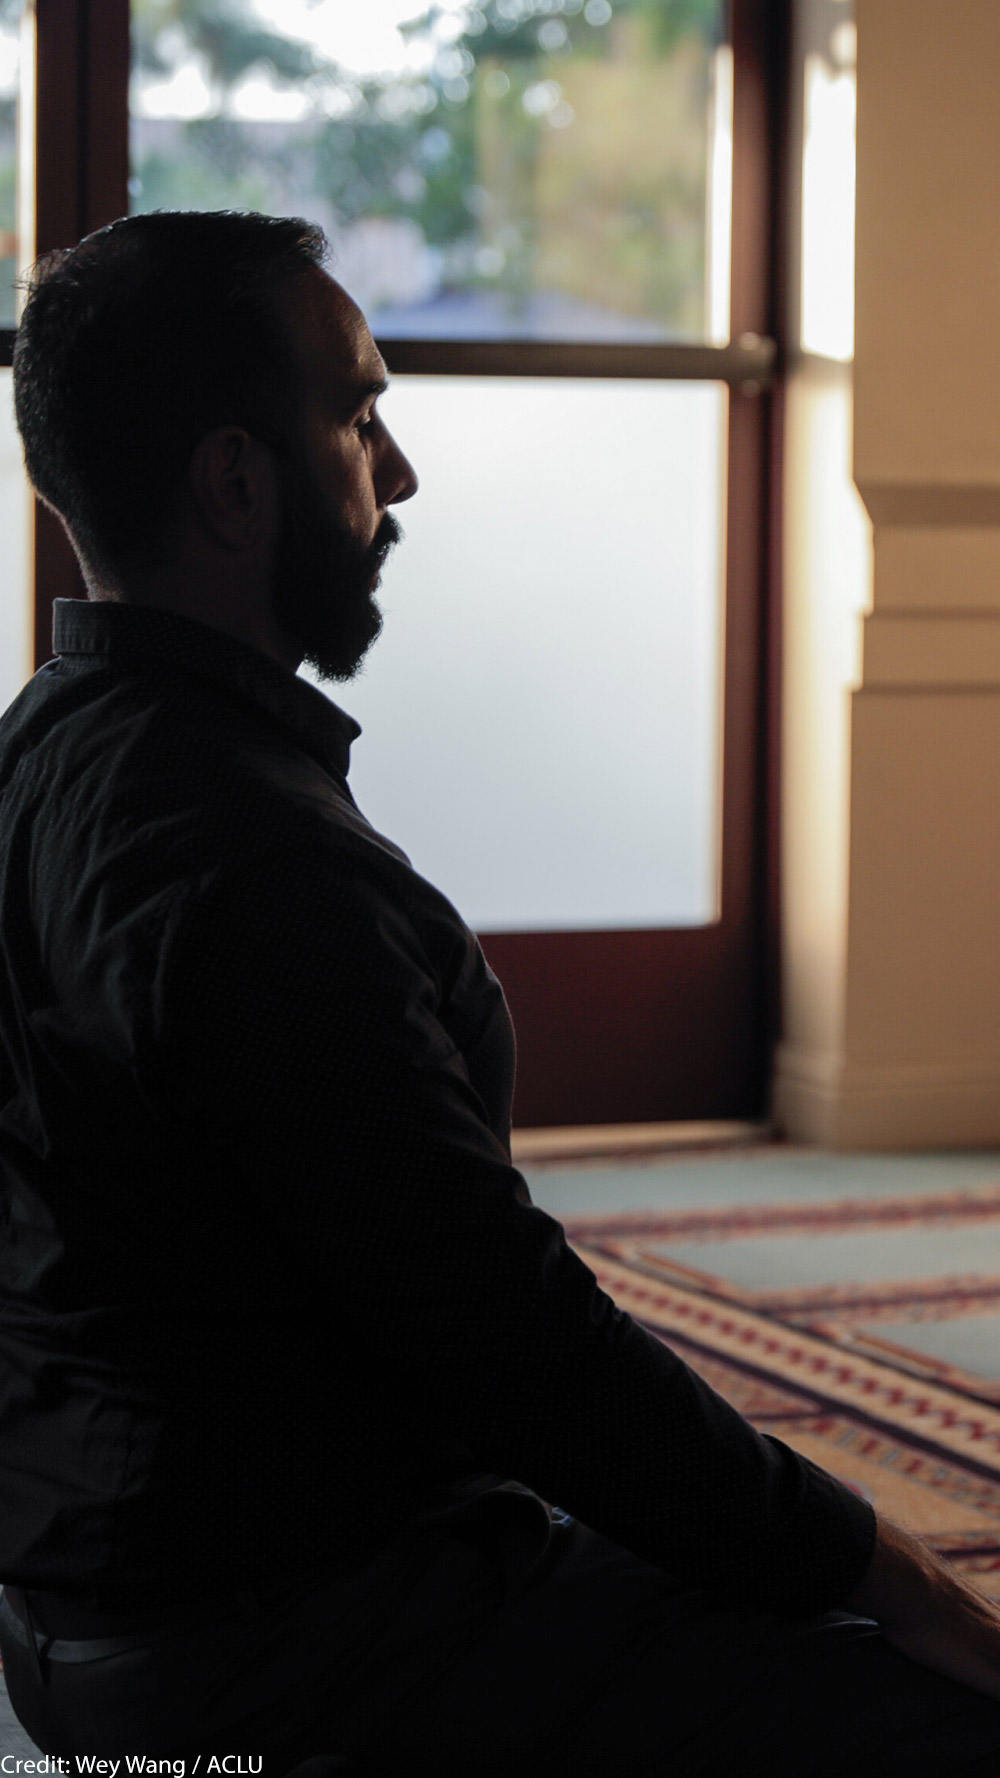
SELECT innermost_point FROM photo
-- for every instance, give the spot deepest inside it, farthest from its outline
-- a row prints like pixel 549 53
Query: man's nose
pixel 397 478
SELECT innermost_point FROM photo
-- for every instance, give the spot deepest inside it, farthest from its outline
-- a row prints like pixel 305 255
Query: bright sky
pixel 362 37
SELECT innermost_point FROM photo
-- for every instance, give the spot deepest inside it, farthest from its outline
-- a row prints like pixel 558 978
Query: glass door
pixel 555 213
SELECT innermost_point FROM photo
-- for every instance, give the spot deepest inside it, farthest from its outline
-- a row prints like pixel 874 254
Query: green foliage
pixel 8 164
pixel 357 166
pixel 670 23
pixel 226 34
pixel 201 186
pixel 515 30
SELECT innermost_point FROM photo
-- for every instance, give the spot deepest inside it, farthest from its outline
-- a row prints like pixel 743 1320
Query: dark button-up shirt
pixel 269 1282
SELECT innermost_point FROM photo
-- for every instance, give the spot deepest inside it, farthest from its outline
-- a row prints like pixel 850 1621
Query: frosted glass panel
pixel 542 713
pixel 15 640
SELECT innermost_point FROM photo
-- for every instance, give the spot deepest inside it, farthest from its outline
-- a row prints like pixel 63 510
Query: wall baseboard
pixel 822 1099
pixel 595 1140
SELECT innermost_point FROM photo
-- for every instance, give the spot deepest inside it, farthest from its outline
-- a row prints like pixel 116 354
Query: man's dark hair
pixel 136 343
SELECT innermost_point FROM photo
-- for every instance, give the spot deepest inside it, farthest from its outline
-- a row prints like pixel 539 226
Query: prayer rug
pixel 864 1331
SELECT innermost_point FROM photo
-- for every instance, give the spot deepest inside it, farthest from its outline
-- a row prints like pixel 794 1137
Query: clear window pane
pixel 828 180
pixel 15 513
pixel 554 169
pixel 15 503
pixel 10 59
pixel 542 713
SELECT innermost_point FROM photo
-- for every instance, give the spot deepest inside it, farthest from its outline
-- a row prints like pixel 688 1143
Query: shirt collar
pixel 107 629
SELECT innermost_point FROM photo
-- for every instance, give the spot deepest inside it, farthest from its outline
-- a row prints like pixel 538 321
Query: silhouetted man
pixel 289 1362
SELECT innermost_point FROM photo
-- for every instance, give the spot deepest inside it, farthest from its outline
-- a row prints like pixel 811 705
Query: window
pixel 15 514
pixel 559 216
pixel 510 169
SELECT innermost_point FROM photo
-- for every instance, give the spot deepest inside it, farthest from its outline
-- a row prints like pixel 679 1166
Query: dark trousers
pixel 499 1642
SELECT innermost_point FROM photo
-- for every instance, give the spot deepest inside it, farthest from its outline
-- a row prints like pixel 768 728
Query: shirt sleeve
pixel 308 1051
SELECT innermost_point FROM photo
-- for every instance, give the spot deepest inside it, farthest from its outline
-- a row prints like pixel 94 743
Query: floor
pixel 749 1175
pixel 776 1220
pixel 13 1739
pixel 743 1177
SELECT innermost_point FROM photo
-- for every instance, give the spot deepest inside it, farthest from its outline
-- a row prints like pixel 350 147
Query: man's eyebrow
pixel 363 391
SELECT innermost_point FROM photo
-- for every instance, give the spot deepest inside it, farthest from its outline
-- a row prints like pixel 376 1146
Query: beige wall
pixel 827 586
pixel 892 805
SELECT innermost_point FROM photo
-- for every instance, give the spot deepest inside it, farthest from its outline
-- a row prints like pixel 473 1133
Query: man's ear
pixel 234 489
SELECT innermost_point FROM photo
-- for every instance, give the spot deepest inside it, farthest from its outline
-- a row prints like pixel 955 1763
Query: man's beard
pixel 325 579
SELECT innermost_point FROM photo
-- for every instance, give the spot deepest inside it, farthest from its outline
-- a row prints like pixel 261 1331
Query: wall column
pixel 898 1046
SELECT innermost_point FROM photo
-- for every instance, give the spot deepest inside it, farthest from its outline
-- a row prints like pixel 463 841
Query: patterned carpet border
pixel 741 1222
pixel 847 1379
pixel 918 1436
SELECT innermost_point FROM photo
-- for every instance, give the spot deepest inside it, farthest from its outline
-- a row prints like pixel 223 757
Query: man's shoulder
pixel 111 743
pixel 138 791
pixel 167 785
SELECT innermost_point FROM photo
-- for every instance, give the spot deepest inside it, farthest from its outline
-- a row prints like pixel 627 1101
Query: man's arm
pixel 926 1611
pixel 311 1060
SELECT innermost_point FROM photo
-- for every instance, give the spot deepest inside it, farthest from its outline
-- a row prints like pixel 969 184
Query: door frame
pixel 613 1027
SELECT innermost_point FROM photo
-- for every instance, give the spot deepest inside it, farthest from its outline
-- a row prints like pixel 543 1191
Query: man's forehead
pixel 334 337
